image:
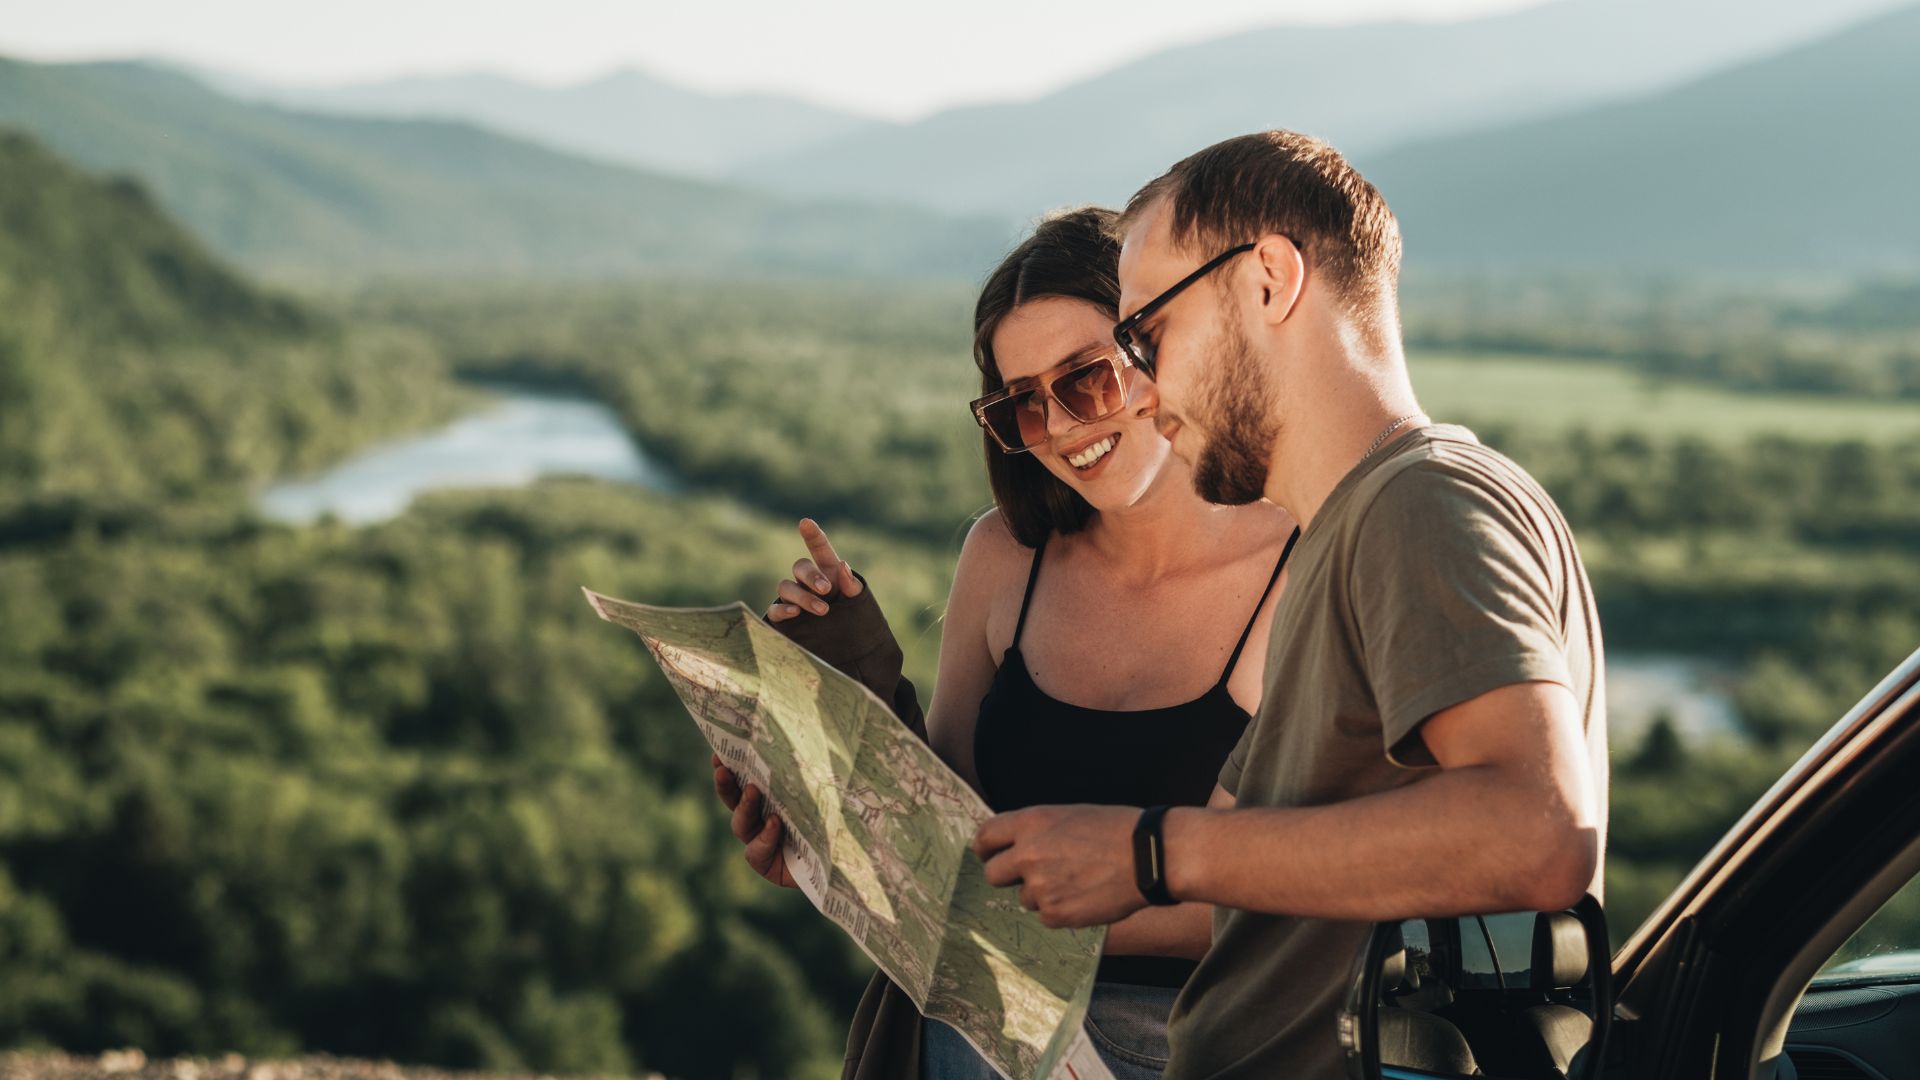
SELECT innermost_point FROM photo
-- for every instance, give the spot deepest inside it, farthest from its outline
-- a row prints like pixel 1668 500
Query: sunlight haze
pixel 883 59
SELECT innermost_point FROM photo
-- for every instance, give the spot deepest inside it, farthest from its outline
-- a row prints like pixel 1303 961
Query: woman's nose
pixel 1059 421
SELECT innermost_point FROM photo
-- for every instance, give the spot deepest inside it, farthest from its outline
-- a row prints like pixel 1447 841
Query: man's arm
pixel 1510 822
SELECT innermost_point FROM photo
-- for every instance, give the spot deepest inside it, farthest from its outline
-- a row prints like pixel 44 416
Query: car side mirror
pixel 1518 995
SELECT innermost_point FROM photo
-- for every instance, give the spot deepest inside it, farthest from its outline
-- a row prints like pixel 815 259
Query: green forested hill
pixel 100 261
pixel 132 363
pixel 303 195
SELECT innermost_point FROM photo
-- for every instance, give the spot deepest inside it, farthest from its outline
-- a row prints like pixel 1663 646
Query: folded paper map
pixel 878 833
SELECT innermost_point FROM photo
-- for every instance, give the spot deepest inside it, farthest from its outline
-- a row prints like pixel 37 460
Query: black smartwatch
pixel 1150 858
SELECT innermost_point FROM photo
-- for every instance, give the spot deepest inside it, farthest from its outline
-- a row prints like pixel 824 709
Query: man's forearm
pixel 1462 841
pixel 1184 930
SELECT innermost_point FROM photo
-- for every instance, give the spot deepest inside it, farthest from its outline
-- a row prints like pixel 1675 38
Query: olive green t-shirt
pixel 1435 572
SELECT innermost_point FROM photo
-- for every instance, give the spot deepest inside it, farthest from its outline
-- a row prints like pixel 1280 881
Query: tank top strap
pixel 1033 578
pixel 1248 632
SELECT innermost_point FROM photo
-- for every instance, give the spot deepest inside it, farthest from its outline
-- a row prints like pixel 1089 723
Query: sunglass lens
pixel 1019 421
pixel 1030 412
pixel 1092 392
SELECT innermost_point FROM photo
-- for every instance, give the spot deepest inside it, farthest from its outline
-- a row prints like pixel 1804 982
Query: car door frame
pixel 1707 983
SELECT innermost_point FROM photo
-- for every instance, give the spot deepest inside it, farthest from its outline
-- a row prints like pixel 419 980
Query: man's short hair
pixel 1288 183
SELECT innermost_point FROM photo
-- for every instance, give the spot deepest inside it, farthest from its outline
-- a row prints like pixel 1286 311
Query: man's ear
pixel 1282 271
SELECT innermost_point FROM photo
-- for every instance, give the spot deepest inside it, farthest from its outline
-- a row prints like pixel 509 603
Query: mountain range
pixel 626 116
pixel 1365 87
pixel 298 194
pixel 1800 162
pixel 1485 136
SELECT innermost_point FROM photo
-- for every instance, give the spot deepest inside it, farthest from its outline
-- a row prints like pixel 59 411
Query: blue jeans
pixel 1128 1026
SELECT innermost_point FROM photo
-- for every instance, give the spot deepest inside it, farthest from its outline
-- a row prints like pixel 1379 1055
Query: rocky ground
pixel 133 1065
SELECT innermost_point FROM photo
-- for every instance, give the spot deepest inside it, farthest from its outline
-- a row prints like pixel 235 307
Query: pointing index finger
pixel 819 546
pixel 826 559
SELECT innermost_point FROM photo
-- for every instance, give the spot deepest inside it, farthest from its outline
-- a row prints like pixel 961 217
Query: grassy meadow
pixel 1545 394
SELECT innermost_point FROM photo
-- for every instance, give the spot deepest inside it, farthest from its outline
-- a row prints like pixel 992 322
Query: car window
pixel 1506 965
pixel 1888 946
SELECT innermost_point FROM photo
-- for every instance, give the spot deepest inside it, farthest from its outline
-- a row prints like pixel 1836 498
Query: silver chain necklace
pixel 1381 438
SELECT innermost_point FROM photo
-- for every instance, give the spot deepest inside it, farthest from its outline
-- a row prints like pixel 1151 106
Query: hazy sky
pixel 899 58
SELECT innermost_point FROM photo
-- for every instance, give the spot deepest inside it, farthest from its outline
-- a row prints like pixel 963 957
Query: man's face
pixel 1215 404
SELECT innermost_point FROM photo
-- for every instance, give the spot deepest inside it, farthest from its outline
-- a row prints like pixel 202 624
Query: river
pixel 528 434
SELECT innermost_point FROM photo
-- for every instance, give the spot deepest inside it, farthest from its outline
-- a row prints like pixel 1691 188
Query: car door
pixel 1720 981
pixel 1710 983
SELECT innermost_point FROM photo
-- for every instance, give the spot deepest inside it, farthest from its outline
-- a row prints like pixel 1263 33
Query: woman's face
pixel 1039 336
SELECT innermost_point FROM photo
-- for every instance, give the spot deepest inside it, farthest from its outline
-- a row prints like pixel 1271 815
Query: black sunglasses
pixel 1138 349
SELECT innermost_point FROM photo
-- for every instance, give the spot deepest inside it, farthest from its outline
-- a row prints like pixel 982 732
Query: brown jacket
pixel 884 1042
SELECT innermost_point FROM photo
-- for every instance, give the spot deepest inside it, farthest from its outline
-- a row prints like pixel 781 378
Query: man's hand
pixel 1074 864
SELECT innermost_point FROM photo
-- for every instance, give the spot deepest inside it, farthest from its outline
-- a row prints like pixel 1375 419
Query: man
pixel 1432 740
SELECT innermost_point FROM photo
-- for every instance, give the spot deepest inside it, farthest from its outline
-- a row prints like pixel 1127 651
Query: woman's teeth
pixel 1086 458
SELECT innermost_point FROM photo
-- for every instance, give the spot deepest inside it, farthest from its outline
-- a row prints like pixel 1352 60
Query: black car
pixel 1767 962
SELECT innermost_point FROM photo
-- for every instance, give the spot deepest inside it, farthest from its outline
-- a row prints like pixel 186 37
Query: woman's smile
pixel 1087 458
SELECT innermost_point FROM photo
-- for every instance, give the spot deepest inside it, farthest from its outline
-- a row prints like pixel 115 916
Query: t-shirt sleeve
pixel 1454 594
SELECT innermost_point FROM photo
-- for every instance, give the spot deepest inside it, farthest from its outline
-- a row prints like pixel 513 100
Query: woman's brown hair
pixel 1073 255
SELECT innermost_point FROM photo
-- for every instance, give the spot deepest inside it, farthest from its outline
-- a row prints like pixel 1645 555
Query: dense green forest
pixel 394 791
pixel 391 793
pixel 1861 340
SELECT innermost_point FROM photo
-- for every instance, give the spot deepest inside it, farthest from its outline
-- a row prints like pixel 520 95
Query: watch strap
pixel 1150 858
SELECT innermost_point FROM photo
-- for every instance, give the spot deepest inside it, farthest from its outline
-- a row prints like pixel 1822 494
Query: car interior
pixel 1497 995
pixel 1859 1019
pixel 1510 996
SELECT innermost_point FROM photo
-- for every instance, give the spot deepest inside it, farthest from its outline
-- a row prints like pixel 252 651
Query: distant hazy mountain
pixel 1365 87
pixel 627 116
pixel 1808 159
pixel 300 194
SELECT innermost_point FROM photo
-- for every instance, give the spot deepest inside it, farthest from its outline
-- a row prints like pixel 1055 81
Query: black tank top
pixel 1030 749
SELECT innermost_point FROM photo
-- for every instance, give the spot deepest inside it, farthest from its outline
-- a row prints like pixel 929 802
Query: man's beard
pixel 1232 408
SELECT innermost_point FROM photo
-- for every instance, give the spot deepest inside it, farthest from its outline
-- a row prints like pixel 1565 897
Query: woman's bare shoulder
pixel 990 550
pixel 991 572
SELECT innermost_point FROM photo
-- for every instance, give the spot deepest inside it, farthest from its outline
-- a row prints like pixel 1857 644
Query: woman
pixel 1103 639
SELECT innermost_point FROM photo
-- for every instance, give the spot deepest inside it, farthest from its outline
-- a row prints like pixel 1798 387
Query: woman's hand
pixel 814 577
pixel 761 835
